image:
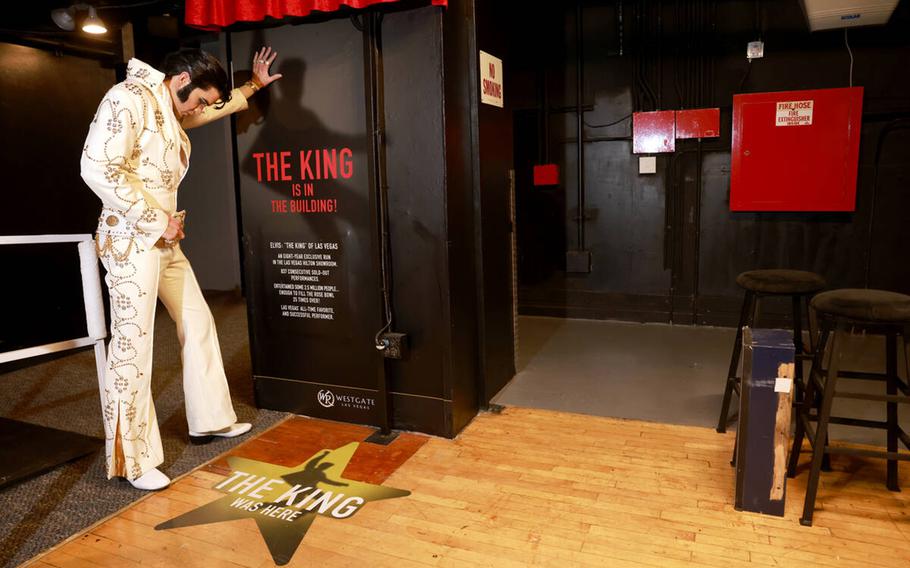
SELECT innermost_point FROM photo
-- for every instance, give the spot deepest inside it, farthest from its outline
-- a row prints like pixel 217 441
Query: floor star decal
pixel 284 501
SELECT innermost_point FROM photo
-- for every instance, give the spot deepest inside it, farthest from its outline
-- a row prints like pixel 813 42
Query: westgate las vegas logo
pixel 284 501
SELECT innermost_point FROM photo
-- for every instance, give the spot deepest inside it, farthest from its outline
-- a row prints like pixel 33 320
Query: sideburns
pixel 183 93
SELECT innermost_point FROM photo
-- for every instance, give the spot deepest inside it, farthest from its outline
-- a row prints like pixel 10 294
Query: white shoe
pixel 232 431
pixel 152 480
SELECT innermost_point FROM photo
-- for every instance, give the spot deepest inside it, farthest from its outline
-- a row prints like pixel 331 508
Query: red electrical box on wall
pixel 653 132
pixel 796 150
pixel 546 174
pixel 698 123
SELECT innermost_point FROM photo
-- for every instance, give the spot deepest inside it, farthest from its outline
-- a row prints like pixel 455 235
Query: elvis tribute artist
pixel 134 158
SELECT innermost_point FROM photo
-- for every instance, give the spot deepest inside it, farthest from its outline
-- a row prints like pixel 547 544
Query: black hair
pixel 204 69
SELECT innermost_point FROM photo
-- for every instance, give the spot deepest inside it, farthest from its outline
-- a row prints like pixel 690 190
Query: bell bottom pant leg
pixel 205 386
pixel 132 440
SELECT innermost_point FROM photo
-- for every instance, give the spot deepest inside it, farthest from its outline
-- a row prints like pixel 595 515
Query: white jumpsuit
pixel 134 158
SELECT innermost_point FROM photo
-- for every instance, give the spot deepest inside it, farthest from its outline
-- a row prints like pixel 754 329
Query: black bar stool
pixel 800 285
pixel 874 311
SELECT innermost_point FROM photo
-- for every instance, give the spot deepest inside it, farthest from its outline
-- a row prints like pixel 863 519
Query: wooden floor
pixel 526 487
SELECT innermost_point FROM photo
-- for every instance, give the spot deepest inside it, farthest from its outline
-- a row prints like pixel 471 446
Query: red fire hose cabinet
pixel 796 150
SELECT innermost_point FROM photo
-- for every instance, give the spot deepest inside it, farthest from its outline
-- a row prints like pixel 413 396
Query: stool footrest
pixel 881 425
pixel 869 453
pixel 817 375
pixel 901 399
pixel 858 422
pixel 862 375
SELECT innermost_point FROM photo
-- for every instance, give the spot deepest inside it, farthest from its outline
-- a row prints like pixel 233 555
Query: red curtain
pixel 215 14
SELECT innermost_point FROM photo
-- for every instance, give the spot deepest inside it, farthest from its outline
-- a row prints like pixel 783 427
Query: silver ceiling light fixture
pixel 65 19
pixel 93 24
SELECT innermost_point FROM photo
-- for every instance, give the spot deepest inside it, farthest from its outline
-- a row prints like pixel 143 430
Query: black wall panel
pixel 459 51
pixel 318 105
pixel 412 57
pixel 330 367
pixel 47 104
pixel 493 199
pixel 666 247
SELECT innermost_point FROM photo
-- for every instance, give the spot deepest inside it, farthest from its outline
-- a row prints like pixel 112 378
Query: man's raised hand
pixel 262 60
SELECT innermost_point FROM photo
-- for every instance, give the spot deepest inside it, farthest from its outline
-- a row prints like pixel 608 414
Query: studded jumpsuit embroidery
pixel 134 158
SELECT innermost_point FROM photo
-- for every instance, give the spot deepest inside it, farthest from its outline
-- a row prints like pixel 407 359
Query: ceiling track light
pixel 66 20
pixel 93 24
pixel 63 17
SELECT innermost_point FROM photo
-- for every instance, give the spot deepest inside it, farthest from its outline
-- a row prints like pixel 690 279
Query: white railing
pixel 91 295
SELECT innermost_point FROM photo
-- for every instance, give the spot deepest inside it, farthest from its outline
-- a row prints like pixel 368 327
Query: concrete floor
pixel 656 372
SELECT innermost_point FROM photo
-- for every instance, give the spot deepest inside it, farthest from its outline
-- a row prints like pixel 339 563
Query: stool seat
pixel 800 285
pixel 864 305
pixel 781 281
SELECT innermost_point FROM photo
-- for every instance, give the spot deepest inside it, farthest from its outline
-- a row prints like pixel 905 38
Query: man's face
pixel 189 99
